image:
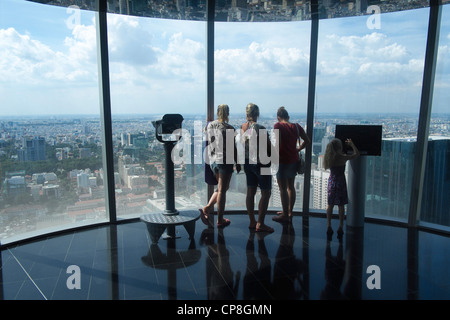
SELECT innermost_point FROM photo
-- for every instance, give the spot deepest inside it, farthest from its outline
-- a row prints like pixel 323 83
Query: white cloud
pixel 20 56
pixel 171 72
pixel 261 65
pixel 184 58
pixel 128 42
pixel 28 61
pixel 375 72
pixel 164 61
pixel 374 56
pixel 139 57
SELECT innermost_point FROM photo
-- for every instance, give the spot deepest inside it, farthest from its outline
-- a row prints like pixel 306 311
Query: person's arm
pixel 238 166
pixel 355 150
pixel 305 139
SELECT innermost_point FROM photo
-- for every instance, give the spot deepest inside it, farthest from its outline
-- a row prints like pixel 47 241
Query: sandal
pixel 265 228
pixel 224 223
pixel 281 218
pixel 280 213
pixel 340 233
pixel 204 217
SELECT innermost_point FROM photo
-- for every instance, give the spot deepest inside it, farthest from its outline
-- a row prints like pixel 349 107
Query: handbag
pixel 300 162
pixel 210 177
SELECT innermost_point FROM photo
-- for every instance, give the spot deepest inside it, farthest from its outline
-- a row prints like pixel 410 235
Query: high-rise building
pixel 33 149
pixel 389 180
pixel 320 188
pixel 318 135
pixel 435 198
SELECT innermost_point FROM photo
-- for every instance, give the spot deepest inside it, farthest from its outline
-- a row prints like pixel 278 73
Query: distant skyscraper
pixel 435 199
pixel 318 135
pixel 389 178
pixel 33 149
pixel 320 185
pixel 389 181
pixel 361 5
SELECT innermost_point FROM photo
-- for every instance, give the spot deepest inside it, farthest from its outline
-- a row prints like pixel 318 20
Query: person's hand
pixel 349 142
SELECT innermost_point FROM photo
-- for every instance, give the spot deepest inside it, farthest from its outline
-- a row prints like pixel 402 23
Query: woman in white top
pixel 221 162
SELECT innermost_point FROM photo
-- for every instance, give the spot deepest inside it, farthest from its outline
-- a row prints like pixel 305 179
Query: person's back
pixel 335 160
pixel 250 136
pixel 217 133
pixel 288 136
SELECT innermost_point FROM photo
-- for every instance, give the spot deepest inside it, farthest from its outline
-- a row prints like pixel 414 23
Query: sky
pixel 48 63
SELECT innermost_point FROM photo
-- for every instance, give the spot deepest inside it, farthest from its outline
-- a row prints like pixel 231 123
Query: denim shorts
pixel 255 178
pixel 221 168
pixel 287 170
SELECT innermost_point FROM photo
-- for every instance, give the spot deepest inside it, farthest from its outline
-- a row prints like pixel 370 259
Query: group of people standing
pixel 291 139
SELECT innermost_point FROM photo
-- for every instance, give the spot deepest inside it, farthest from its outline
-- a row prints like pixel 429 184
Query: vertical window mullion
pixel 105 110
pixel 311 102
pixel 210 7
pixel 420 154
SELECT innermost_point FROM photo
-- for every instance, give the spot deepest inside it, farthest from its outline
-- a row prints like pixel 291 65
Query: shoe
pixel 204 217
pixel 281 218
pixel 265 229
pixel 329 233
pixel 224 223
pixel 340 233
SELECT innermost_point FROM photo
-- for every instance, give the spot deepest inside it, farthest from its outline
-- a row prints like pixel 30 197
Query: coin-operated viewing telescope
pixel 166 128
pixel 167 132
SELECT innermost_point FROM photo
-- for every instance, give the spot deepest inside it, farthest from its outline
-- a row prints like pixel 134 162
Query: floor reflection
pixel 257 280
pixel 296 262
pixel 334 273
pixel 287 273
pixel 171 261
pixel 222 282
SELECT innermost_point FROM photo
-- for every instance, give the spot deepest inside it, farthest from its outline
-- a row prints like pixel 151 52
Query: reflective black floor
pixel 294 262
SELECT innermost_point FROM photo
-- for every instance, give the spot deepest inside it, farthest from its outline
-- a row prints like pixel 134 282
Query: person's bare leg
pixel 292 194
pixel 282 184
pixel 222 187
pixel 250 204
pixel 209 208
pixel 340 230
pixel 329 214
pixel 284 197
pixel 262 211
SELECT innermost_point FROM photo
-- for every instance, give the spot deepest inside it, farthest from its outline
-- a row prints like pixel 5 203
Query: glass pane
pixel 157 67
pixel 50 144
pixel 266 64
pixel 435 200
pixel 372 76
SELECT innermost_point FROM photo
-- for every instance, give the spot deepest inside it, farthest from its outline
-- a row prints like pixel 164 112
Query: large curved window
pixel 370 71
pixel 157 67
pixel 50 145
pixel 265 63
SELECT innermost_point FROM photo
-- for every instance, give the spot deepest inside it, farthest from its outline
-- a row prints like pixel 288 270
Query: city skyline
pixel 50 60
pixel 139 172
pixel 68 185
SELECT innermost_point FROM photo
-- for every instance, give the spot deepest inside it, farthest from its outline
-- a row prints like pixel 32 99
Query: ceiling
pixel 245 10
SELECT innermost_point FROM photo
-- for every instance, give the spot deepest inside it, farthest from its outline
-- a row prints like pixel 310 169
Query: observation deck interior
pixel 296 262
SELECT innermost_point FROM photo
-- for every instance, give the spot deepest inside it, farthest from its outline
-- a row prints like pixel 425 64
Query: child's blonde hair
pixel 223 112
pixel 334 149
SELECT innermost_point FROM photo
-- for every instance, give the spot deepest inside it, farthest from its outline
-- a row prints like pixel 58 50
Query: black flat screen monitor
pixel 367 138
